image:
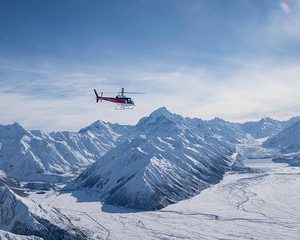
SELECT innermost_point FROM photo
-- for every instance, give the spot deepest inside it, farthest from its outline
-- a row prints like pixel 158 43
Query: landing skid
pixel 124 106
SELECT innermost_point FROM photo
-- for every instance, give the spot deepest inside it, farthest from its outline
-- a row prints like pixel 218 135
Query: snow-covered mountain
pixel 228 131
pixel 57 156
pixel 287 141
pixel 266 127
pixel 10 236
pixel 263 128
pixel 165 159
pixel 38 155
pixel 17 218
pixel 291 121
pixel 15 213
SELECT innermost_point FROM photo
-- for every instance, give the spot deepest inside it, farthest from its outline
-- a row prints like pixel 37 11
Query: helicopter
pixel 121 100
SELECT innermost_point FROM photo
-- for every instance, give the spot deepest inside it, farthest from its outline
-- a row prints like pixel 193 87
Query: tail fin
pixel 97 97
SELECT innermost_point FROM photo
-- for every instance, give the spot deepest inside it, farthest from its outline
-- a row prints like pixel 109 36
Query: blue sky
pixel 234 59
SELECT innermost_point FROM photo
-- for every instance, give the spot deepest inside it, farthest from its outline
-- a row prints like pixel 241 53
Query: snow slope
pixel 266 127
pixel 53 157
pixel 165 159
pixel 263 128
pixel 287 141
pixel 226 131
pixel 14 213
pixel 18 218
pixel 10 236
pixel 4 179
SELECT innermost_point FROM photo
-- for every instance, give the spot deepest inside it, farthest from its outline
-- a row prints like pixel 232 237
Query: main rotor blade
pixel 124 92
pixel 111 92
pixel 135 92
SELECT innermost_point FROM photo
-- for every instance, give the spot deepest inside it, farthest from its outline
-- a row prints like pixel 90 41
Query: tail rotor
pixel 97 96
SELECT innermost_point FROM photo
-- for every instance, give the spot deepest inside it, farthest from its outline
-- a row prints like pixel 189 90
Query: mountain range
pixel 161 160
pixel 54 157
pixel 166 158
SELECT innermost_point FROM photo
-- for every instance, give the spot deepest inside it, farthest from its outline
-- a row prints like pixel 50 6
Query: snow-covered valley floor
pixel 263 205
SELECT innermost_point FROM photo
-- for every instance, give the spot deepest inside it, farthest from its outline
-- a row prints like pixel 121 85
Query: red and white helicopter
pixel 121 100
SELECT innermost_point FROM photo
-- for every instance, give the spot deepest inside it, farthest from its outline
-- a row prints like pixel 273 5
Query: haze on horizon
pixel 238 59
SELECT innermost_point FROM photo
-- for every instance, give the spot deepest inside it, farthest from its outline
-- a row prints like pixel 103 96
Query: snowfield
pixel 242 206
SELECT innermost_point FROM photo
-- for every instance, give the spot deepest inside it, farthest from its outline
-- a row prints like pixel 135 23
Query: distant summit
pixel 14 130
pixel 54 157
pixel 263 128
pixel 287 141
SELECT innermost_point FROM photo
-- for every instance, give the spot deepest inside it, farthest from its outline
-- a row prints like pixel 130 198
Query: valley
pixel 263 205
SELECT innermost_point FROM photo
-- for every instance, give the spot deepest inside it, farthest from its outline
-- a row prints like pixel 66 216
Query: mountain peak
pixel 12 130
pixel 17 125
pixel 267 119
pixel 161 121
pixel 161 111
pixel 97 125
pixel 161 114
pixel 218 120
pixel 164 113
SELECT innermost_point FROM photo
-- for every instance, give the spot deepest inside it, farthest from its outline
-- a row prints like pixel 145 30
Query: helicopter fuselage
pixel 118 99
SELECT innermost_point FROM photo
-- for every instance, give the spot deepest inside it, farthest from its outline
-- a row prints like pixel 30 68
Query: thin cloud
pixel 250 72
pixel 268 90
